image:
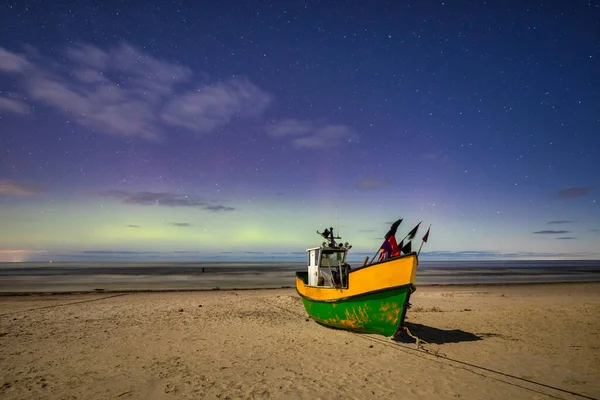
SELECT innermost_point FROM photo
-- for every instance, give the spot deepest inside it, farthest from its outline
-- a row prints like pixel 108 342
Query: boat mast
pixel 337 218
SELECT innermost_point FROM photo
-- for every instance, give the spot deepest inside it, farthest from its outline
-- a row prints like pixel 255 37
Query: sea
pixel 32 277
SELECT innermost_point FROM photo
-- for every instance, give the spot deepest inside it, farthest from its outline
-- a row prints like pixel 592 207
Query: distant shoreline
pixel 176 277
pixel 235 289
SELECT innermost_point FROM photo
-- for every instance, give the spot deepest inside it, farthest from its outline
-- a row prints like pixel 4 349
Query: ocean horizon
pixel 161 275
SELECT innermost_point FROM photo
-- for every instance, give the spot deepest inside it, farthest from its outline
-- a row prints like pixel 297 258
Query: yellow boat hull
pixel 394 272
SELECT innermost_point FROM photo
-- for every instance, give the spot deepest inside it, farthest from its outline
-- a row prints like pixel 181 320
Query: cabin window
pixel 332 270
pixel 331 258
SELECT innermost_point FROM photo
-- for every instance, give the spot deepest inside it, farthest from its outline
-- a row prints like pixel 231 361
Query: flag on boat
pixel 412 233
pixel 393 229
pixel 389 247
pixel 407 248
pixel 425 238
pixel 426 235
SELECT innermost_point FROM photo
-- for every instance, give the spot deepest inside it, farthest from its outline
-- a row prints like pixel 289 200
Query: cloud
pixel 163 199
pixel 594 230
pixel 311 134
pixel 181 224
pixel 573 192
pixel 213 106
pixel 372 183
pixel 561 222
pixel 218 208
pixel 15 106
pixel 566 238
pixel 155 199
pixel 133 226
pixel 12 62
pixel 118 252
pixel 125 92
pixel 11 187
pixel 367 230
pixel 550 232
pixel 430 156
pixel 497 255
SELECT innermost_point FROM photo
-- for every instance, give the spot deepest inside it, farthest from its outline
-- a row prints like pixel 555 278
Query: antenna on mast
pixel 337 217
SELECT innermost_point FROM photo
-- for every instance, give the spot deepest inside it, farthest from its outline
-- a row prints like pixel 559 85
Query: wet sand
pixel 478 342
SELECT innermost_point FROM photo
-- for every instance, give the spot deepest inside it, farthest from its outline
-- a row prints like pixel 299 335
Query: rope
pixel 422 349
pixel 63 304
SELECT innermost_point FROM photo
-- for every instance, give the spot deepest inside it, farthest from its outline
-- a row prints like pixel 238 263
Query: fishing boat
pixel 372 298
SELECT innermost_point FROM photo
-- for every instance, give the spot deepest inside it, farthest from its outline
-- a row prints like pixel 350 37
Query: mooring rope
pixel 421 349
pixel 63 304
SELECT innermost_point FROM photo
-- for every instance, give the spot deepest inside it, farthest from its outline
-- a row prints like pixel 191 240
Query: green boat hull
pixel 380 312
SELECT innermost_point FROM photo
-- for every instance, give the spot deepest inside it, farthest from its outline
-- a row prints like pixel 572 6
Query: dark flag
pixel 426 235
pixel 424 240
pixel 389 247
pixel 393 229
pixel 407 248
pixel 412 233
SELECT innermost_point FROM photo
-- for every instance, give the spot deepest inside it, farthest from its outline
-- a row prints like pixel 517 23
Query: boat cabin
pixel 327 265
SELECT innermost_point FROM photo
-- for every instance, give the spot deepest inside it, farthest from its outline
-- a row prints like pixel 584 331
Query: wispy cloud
pixel 566 238
pixel 16 188
pixel 164 199
pixel 218 208
pixel 573 192
pixel 498 255
pixel 312 134
pixel 155 198
pixel 125 92
pixel 12 105
pixel 549 232
pixel 561 222
pixel 12 62
pixel 118 252
pixel 212 106
pixel 372 183
pixel 133 226
pixel 432 156
pixel 181 224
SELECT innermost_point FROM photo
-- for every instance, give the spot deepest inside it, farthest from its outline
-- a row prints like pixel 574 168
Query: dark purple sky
pixel 215 126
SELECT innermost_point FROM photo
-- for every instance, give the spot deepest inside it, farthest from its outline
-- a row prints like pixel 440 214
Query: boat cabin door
pixel 313 267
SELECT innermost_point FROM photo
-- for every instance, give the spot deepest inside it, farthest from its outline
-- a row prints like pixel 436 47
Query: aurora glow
pixel 220 130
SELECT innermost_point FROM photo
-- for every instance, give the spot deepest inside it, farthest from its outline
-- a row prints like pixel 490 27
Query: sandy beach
pixel 260 344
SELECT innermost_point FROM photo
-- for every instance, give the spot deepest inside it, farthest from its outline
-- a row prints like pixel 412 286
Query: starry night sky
pixel 237 129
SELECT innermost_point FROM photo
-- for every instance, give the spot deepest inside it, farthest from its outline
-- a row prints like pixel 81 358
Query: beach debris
pixel 169 388
pixel 181 310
